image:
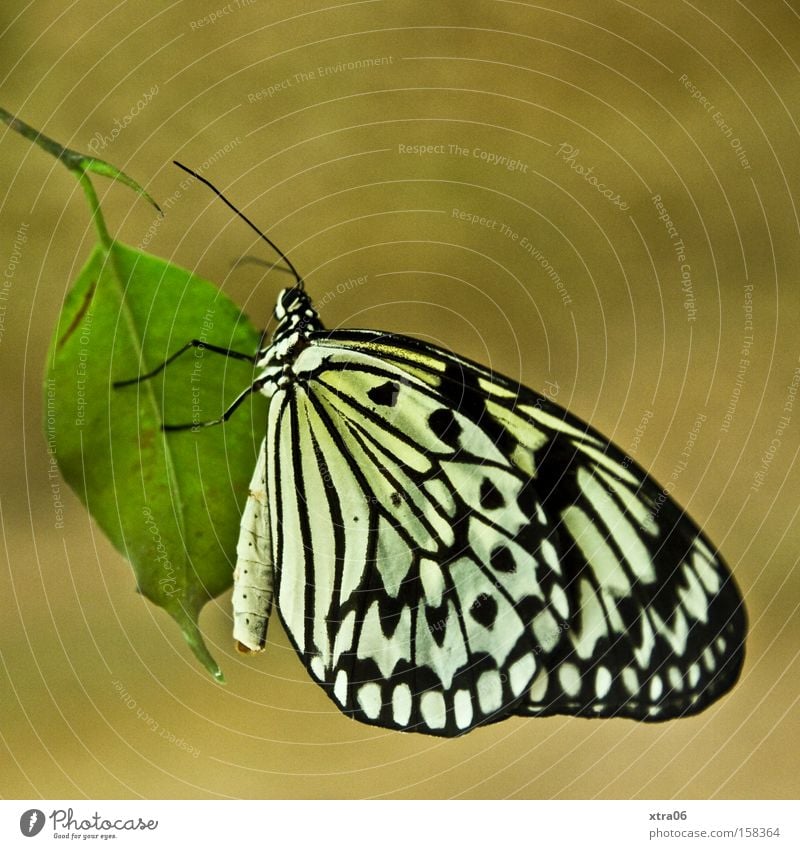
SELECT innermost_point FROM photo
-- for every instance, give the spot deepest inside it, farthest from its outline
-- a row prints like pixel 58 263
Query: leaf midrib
pixel 171 468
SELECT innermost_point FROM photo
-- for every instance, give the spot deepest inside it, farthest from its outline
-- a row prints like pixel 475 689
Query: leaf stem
pixel 81 165
pixel 94 206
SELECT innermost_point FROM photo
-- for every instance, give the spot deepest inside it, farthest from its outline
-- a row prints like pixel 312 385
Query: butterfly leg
pixel 194 343
pixel 254 387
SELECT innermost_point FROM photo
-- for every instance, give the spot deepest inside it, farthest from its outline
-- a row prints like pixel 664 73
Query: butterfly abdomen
pixel 253 573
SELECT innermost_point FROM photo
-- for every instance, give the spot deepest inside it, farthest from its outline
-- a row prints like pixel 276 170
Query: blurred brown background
pixel 299 112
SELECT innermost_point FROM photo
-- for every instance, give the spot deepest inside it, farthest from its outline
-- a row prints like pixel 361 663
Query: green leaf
pixel 170 502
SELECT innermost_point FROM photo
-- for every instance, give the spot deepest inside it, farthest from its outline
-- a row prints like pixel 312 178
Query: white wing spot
pixel 462 704
pixel 546 630
pixel 476 441
pixel 550 555
pixel 433 709
pixel 522 458
pixel 593 622
pixel 444 659
pixel 602 682
pixel 369 697
pixel 559 425
pixel 401 704
pixel 340 687
pixel 721 644
pixel 344 638
pixel 645 651
pixel 490 691
pixel 708 660
pixel 491 388
pixel 432 579
pixel 694 675
pixel 527 435
pixel 318 667
pixel 694 597
pixel 558 599
pixel 520 673
pixel 630 680
pixel 570 679
pixel 675 678
pixel 539 686
pixel 656 688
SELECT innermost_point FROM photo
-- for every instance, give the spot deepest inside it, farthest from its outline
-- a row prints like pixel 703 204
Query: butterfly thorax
pixel 297 321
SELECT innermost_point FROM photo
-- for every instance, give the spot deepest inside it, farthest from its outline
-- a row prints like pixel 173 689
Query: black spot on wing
pixel 444 425
pixel 385 395
pixel 502 559
pixel 484 610
pixel 490 496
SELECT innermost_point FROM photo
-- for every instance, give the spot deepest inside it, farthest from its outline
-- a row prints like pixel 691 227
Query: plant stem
pixel 94 205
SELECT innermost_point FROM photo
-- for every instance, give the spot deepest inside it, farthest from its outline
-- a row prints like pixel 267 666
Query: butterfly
pixel 447 548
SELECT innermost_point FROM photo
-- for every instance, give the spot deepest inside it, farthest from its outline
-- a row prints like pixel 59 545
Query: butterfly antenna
pixel 247 221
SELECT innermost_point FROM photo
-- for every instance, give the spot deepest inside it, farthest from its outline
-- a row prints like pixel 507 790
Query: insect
pixel 447 548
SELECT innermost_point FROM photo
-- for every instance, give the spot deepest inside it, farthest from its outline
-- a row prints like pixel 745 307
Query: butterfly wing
pixel 452 548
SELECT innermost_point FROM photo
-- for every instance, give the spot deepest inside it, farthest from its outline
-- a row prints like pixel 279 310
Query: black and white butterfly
pixel 447 548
